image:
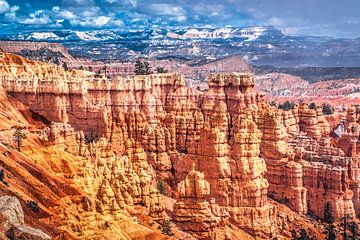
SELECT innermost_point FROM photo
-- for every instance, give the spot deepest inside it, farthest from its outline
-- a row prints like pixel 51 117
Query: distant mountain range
pixel 261 46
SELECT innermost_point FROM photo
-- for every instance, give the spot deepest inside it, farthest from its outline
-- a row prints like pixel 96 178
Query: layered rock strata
pixel 195 215
pixel 133 130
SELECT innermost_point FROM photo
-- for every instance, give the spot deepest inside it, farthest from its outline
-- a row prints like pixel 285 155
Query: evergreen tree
pixel 161 188
pixel 304 235
pixel 327 109
pixel 286 106
pixel 345 224
pixel 98 73
pixel 19 135
pixel 312 105
pixel 353 129
pixel 354 230
pixel 161 70
pixel 65 66
pixel 331 235
pixel 139 68
pixel 166 228
pixel 273 103
pixel 328 217
pixel 147 68
pixel 294 235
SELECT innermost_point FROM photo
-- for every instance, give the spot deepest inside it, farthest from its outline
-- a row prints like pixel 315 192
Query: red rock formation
pixel 131 131
pixel 193 213
pixel 282 87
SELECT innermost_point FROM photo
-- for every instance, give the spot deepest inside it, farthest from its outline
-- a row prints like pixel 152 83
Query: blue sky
pixel 311 17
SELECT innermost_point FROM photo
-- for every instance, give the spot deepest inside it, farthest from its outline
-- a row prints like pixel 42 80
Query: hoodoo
pixel 97 147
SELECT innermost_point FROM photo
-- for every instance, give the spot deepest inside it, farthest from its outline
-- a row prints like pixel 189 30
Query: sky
pixel 337 18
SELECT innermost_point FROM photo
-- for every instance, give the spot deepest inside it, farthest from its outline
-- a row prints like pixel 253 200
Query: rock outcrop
pixel 13 222
pixel 126 133
pixel 193 213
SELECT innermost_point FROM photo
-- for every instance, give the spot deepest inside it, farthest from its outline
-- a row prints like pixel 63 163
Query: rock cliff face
pixel 193 213
pixel 125 134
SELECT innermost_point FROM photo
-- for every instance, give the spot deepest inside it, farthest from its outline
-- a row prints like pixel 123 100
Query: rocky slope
pixel 195 72
pixel 97 147
pixel 281 87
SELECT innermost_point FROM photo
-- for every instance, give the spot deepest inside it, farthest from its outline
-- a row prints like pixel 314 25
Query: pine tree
pixel 273 103
pixel 147 68
pixel 328 217
pixel 331 235
pixel 294 235
pixel 327 109
pixel 161 188
pixel 161 70
pixel 166 228
pixel 139 68
pixel 312 105
pixel 19 135
pixel 345 224
pixel 286 106
pixel 354 230
pixel 65 66
pixel 304 235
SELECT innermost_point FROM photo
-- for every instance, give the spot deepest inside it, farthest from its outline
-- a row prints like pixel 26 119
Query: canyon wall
pixel 135 130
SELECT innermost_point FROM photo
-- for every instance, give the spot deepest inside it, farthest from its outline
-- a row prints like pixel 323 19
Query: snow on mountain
pixel 86 36
pixel 43 36
pixel 194 33
pixel 252 33
pixel 249 33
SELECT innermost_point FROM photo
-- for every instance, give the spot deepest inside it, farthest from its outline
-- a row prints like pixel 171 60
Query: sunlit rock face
pixel 193 213
pixel 131 132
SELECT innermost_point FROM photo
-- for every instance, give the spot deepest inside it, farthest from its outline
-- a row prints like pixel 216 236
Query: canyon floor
pixel 88 156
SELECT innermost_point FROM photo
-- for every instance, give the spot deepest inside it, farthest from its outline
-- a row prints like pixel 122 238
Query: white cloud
pixel 101 21
pixel 4 6
pixel 275 21
pixel 11 15
pixel 167 9
pixel 91 22
pixel 78 2
pixel 66 14
pixel 117 23
pixel 90 12
pixel 132 3
pixel 179 18
pixel 38 17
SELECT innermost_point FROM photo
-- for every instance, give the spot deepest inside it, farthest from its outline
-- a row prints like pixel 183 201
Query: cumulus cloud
pixel 4 6
pixel 167 9
pixel 11 15
pixel 298 17
pixel 38 17
pixel 132 3
pixel 101 21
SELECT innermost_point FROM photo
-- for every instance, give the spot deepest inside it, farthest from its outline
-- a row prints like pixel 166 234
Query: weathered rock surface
pixel 13 222
pixel 117 137
pixel 11 211
pixel 193 213
pixel 26 232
